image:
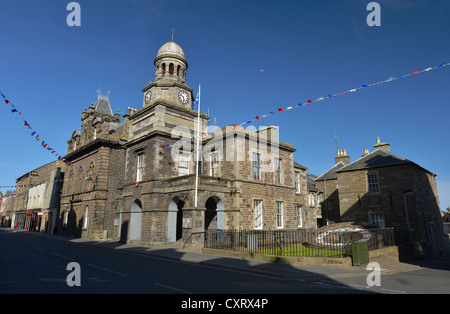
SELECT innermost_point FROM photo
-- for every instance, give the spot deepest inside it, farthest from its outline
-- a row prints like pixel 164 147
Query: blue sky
pixel 306 49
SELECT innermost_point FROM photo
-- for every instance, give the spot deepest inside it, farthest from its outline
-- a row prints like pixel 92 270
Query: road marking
pixel 167 287
pixel 109 270
pixel 390 290
pixel 62 256
pixel 358 286
pixel 8 282
pixel 367 287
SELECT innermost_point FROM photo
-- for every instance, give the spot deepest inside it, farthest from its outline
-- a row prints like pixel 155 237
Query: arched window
pixel 171 68
pixel 178 70
pixel 163 68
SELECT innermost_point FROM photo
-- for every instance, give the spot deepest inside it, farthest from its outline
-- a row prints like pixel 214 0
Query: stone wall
pixel 402 188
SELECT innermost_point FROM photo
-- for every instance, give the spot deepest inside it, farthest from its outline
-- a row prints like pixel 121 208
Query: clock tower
pixel 170 78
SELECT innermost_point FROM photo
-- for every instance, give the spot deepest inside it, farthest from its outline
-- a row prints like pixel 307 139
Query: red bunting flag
pixel 416 72
pixel 309 101
pixel 279 109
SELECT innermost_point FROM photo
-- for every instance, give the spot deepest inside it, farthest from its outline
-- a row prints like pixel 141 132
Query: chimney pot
pixel 342 156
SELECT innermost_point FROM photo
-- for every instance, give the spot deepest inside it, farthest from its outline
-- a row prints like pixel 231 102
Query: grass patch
pixel 300 250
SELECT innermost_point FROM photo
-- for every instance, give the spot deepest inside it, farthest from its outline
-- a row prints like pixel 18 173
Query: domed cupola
pixel 170 63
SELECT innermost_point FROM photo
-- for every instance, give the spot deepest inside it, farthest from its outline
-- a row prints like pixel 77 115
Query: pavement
pixel 281 270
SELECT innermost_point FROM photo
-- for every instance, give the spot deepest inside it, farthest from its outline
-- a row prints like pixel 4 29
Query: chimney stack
pixel 383 146
pixel 366 152
pixel 342 156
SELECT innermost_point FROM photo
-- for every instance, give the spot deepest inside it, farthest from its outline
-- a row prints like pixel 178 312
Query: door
pixel 135 221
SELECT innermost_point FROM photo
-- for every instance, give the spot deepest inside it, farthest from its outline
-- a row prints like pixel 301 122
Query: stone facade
pixel 135 177
pixel 386 190
pixel 124 183
pixel 37 198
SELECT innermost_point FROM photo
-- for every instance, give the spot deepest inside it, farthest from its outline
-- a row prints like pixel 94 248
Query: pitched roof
pixel 102 105
pixel 378 158
pixel 297 165
pixel 331 173
pixel 311 183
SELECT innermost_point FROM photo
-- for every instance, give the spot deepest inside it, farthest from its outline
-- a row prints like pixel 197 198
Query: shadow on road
pixel 237 275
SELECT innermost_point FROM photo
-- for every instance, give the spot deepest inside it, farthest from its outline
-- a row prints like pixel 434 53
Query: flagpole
pixel 198 142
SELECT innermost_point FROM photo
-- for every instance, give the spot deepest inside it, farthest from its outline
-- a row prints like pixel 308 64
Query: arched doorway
pixel 135 221
pixel 175 219
pixel 214 214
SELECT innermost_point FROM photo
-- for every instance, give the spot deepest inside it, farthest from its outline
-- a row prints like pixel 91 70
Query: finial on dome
pixel 173 31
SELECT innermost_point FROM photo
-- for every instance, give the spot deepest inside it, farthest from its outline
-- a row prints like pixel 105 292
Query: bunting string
pixel 309 101
pixel 365 85
pixel 256 118
pixel 34 133
pixel 31 185
pixel 37 137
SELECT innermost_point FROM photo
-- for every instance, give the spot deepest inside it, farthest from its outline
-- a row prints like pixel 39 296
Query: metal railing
pixel 300 242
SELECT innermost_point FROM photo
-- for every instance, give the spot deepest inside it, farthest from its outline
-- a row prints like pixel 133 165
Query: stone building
pixel 328 184
pixel 36 201
pixel 315 200
pixel 386 190
pixel 95 156
pixel 136 179
pixel 6 208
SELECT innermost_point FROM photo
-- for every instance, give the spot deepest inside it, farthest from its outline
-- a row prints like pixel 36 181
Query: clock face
pixel 148 96
pixel 183 97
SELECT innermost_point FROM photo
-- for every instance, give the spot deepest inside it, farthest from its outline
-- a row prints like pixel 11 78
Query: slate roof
pixel 297 165
pixel 331 173
pixel 311 183
pixel 102 105
pixel 378 158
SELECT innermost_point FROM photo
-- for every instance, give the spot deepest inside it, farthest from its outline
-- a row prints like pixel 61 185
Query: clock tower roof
pixel 171 49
